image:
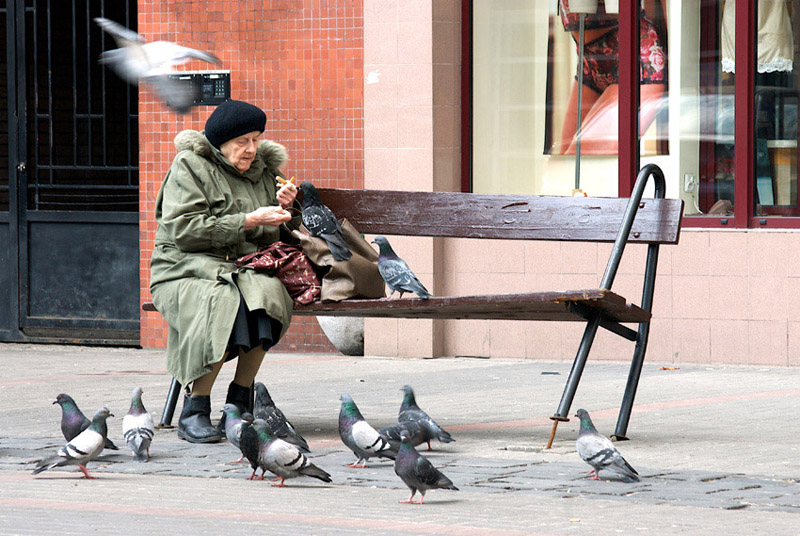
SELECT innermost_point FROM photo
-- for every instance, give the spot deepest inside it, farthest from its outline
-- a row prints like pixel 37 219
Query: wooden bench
pixel 569 219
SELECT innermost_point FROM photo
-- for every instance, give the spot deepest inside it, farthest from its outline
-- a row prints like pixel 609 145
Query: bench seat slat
pixel 530 306
pixel 495 216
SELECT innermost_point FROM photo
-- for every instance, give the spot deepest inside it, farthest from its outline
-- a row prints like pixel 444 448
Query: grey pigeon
pixel 410 412
pixel 598 451
pixel 73 421
pixel 82 449
pixel 265 408
pixel 137 428
pixel 282 458
pixel 418 472
pixel 320 221
pixel 359 436
pixel 412 429
pixel 396 273
pixel 233 425
pixel 250 446
pixel 152 63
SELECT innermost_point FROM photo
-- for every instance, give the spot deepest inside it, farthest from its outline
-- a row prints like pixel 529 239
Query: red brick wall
pixel 301 61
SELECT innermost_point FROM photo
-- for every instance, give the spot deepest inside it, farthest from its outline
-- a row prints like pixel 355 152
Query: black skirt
pixel 251 329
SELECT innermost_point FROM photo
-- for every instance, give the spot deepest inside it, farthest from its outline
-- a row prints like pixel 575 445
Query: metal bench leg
pixel 169 405
pixel 562 414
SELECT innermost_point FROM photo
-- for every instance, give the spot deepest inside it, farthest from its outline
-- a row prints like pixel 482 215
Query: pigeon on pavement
pixel 137 428
pixel 73 421
pixel 152 63
pixel 359 436
pixel 82 449
pixel 412 429
pixel 320 221
pixel 233 426
pixel 418 472
pixel 250 447
pixel 411 412
pixel 265 408
pixel 600 453
pixel 396 273
pixel 282 458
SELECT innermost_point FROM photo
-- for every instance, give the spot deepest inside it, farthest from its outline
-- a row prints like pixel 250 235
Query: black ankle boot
pixel 242 397
pixel 195 423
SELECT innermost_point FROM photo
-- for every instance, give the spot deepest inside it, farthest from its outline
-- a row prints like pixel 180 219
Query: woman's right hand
pixel 270 215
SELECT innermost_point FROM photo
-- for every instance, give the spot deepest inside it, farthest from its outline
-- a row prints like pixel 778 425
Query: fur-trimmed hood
pixel 274 154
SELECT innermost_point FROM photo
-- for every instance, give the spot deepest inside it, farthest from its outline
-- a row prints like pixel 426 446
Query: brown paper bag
pixel 357 277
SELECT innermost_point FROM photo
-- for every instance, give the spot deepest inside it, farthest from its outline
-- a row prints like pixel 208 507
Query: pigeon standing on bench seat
pixel 396 273
pixel 417 471
pixel 357 435
pixel 73 421
pixel 410 412
pixel 265 408
pixel 137 428
pixel 83 448
pixel 598 451
pixel 320 221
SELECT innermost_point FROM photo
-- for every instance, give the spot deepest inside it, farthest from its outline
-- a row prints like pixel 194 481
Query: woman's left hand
pixel 286 195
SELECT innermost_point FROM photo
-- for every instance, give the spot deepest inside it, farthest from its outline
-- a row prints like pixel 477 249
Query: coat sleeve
pixel 186 212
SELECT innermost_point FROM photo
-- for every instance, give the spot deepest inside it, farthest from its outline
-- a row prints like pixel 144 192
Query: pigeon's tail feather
pixel 625 471
pixel 316 472
pixel 419 289
pixel 140 455
pixel 110 445
pixel 444 436
pixel 339 248
pixel 44 465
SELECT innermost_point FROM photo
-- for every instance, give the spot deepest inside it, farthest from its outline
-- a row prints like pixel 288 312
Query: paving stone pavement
pixel 716 447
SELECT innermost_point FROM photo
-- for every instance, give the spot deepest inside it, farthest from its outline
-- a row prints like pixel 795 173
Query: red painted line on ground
pixel 261 516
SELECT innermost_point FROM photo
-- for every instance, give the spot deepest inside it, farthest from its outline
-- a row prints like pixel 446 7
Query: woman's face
pixel 241 151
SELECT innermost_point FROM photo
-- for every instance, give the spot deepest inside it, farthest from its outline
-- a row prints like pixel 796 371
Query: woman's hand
pixel 270 215
pixel 286 194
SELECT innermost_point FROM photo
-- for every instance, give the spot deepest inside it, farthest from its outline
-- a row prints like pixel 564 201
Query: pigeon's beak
pixel 55 401
pixel 110 414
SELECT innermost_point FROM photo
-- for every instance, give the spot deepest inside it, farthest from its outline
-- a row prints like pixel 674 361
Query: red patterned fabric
pixel 290 265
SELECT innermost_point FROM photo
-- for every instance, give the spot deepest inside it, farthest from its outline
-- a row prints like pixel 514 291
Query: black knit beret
pixel 232 119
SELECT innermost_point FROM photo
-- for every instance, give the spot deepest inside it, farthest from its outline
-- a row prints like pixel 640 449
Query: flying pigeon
pixel 82 449
pixel 600 453
pixel 396 273
pixel 359 436
pixel 320 221
pixel 137 428
pixel 73 421
pixel 418 472
pixel 265 408
pixel 282 458
pixel 152 63
pixel 233 425
pixel 410 412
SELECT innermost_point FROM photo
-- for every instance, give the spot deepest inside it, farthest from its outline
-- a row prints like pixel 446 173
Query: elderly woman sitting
pixel 218 202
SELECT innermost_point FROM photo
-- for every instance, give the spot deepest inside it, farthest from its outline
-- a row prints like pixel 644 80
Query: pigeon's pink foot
pixel 595 477
pixel 86 473
pixel 357 466
pixel 240 460
pixel 279 484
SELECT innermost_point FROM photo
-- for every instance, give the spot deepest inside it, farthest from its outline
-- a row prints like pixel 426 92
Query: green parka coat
pixel 195 285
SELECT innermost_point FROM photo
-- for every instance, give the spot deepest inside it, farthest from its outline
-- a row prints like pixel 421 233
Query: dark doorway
pixel 69 193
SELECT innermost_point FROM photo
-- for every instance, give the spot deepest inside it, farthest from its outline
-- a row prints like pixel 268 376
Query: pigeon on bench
pixel 410 412
pixel 82 449
pixel 320 221
pixel 418 472
pixel 359 436
pixel 137 428
pixel 396 273
pixel 598 451
pixel 73 421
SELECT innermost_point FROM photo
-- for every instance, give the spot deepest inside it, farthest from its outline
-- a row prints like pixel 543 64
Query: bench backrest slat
pixel 463 215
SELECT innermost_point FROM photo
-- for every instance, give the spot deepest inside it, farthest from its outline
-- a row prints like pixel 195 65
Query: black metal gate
pixel 69 233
